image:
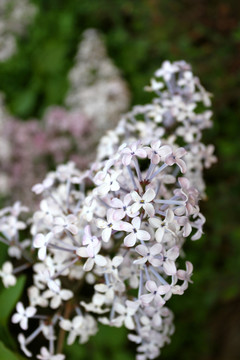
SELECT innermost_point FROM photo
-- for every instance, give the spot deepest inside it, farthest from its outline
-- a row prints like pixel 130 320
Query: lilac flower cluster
pixel 177 116
pixel 36 146
pixel 15 15
pixel 32 148
pixel 109 239
pixel 96 85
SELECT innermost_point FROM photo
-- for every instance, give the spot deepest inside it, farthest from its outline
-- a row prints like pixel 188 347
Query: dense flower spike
pixel 15 15
pixel 119 228
pixel 30 149
pixel 173 118
pixel 94 73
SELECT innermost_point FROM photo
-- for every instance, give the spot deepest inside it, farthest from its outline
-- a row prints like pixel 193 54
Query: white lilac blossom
pixel 96 86
pixel 69 133
pixel 177 116
pixel 117 228
pixel 15 15
pixel 119 235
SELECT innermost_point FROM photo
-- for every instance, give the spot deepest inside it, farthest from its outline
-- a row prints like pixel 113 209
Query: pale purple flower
pixel 156 152
pixel 167 70
pixel 126 314
pixel 189 193
pixel 152 255
pixel 89 240
pixel 93 257
pixel 186 275
pixel 65 223
pixel 132 150
pixel 175 158
pixel 170 256
pixel 155 293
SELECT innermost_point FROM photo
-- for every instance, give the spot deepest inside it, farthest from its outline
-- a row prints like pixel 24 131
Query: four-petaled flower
pixel 132 150
pixel 6 273
pixel 155 293
pixel 143 202
pixel 135 232
pixel 175 158
pixel 157 152
pixel 23 315
pixel 152 255
pixel 40 242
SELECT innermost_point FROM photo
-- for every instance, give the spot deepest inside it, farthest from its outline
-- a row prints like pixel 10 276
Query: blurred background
pixel 139 36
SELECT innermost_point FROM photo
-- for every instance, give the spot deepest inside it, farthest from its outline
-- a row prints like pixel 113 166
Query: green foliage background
pixel 139 35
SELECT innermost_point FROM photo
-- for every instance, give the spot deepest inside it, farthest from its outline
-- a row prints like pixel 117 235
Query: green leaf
pixel 6 354
pixel 8 299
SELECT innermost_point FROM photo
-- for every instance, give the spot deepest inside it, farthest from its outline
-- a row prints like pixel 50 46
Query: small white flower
pixel 65 223
pixel 108 226
pixel 155 293
pixel 23 315
pixel 73 327
pixel 46 355
pixel 143 202
pixel 6 273
pixel 152 255
pixel 40 242
pixel 45 185
pixel 135 232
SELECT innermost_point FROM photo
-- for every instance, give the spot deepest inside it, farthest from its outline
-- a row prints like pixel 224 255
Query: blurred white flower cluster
pixel 15 15
pixel 5 146
pixel 30 148
pixel 96 86
pixel 109 239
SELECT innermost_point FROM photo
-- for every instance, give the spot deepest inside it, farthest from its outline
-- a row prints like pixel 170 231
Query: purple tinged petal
pixel 173 253
pixel 169 267
pixel 141 153
pixel 126 160
pixel 180 152
pixel 182 165
pixel 163 289
pixel 184 182
pixel 151 286
pixel 147 298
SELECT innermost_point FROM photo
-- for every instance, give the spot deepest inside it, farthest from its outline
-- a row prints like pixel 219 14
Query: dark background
pixel 139 35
